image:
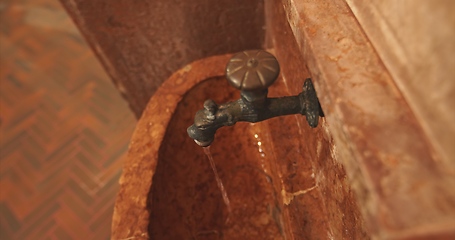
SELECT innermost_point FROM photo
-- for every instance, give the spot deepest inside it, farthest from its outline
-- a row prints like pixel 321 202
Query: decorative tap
pixel 252 72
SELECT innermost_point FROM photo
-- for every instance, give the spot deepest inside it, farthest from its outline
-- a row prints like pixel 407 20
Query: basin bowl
pixel 169 191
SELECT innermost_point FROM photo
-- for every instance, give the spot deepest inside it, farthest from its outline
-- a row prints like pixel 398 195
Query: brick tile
pixel 64 129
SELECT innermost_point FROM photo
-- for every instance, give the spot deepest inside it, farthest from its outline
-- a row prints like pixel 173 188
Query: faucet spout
pixel 211 118
pixel 253 105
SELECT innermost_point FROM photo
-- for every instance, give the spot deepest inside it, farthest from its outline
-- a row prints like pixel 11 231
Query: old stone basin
pixel 168 190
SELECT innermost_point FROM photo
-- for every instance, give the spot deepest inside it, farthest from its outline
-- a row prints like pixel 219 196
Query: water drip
pixel 218 179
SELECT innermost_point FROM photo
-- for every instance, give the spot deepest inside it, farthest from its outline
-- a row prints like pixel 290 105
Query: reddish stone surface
pixel 415 43
pixel 277 192
pixel 132 209
pixel 310 155
pixel 403 189
pixel 300 179
pixel 185 200
pixel 141 43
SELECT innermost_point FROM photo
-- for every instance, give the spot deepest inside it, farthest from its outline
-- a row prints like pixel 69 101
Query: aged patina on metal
pixel 252 72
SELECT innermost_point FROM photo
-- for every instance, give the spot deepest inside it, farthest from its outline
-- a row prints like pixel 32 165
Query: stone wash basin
pixel 168 190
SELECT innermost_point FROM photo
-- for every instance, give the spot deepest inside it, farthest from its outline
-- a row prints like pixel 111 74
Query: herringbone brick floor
pixel 64 128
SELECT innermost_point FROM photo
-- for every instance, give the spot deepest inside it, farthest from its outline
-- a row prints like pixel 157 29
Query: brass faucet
pixel 252 72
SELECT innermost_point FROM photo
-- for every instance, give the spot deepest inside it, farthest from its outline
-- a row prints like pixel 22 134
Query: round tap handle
pixel 252 70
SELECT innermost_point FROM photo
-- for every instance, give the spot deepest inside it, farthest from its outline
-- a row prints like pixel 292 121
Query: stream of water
pixel 218 179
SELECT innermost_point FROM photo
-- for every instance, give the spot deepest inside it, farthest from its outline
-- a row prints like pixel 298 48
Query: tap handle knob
pixel 252 70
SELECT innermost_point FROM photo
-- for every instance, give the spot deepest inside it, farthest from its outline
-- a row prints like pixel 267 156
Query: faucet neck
pixel 254 99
